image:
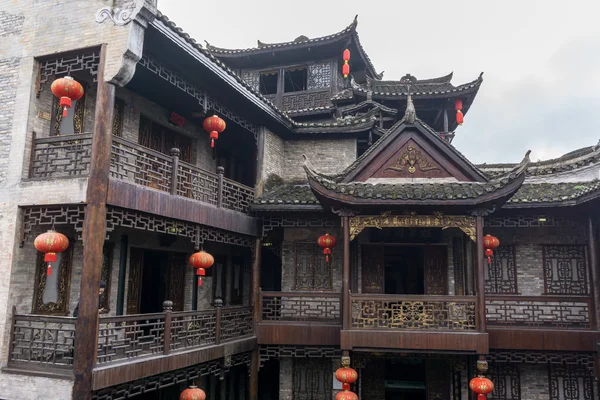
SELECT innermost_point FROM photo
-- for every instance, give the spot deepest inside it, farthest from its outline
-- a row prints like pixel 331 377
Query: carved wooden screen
pixel 436 270
pixel 319 76
pixel 312 379
pixel 75 116
pixel 134 284
pixel 458 258
pixel 311 270
pixel 438 380
pixel 507 381
pixel 372 379
pixel 177 263
pixel 565 270
pixel 372 269
pixel 571 382
pixel 501 274
pixel 159 138
pixel 51 293
pixel 107 258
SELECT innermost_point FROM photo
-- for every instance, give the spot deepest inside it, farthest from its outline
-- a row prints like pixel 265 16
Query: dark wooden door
pixel 438 380
pixel 312 379
pixel 372 269
pixel 372 379
pixel 177 263
pixel 134 284
pixel 436 270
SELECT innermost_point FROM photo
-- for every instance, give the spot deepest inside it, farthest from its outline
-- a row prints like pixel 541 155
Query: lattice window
pixel 311 270
pixel 279 351
pixel 312 378
pixel 159 138
pixel 565 270
pixel 500 275
pixel 569 382
pixel 507 381
pixel 319 76
pixel 252 78
pixel 74 121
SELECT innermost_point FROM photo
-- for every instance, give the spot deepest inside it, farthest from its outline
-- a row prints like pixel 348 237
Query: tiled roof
pixel 369 103
pixel 344 125
pixel 418 88
pixel 535 193
pixel 288 194
pixel 301 41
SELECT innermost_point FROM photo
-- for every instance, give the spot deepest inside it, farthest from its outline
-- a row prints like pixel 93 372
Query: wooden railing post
pixel 220 172
pixel 175 153
pixel 218 326
pixel 168 310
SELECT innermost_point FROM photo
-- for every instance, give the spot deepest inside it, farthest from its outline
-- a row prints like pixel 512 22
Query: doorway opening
pixel 403 270
pixel 405 380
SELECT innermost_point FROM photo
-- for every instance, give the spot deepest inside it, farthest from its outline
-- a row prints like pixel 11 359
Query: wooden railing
pixel 40 340
pixel 323 308
pixel 552 312
pixel 445 313
pixel 69 156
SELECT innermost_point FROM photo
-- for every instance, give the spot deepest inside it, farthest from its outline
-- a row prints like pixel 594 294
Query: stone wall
pixel 326 156
pixel 273 161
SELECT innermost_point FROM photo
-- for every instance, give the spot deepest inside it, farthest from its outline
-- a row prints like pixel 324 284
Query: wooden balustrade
pixel 69 156
pixel 552 312
pixel 324 308
pixel 445 313
pixel 49 341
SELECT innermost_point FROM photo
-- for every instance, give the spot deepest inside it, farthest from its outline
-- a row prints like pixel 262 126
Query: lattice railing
pixel 42 340
pixel 552 312
pixel 301 306
pixel 61 156
pixel 446 313
pixel 235 322
pixel 68 156
pixel 193 329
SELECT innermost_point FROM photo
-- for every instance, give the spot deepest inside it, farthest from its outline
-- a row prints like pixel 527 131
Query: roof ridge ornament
pixel 410 115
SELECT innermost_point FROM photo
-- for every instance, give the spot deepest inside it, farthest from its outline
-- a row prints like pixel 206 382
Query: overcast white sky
pixel 541 59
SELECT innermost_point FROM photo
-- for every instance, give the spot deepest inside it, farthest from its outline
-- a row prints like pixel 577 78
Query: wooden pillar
pixel 122 274
pixel 445 120
pixel 593 257
pixel 94 232
pixel 469 267
pixel 255 302
pixel 346 274
pixel 480 281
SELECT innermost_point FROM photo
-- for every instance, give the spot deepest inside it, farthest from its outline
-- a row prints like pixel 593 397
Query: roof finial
pixel 410 115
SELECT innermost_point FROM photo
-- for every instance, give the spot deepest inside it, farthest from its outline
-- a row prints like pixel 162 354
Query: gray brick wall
pixel 534 382
pixel 326 156
pixel 273 162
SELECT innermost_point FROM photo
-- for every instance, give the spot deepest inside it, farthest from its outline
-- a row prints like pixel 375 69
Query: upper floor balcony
pixel 69 156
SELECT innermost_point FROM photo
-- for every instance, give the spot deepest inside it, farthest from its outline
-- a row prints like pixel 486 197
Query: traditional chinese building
pixel 131 177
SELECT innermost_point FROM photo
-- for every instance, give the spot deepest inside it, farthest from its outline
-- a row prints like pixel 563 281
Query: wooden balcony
pixel 130 347
pixel 69 156
pixel 541 322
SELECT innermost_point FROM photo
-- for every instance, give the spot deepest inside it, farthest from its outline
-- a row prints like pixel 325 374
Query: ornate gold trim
pixel 410 158
pixel 438 220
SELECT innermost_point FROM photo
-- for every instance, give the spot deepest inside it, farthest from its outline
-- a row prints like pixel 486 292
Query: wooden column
pixel 445 120
pixel 593 257
pixel 469 267
pixel 480 281
pixel 94 232
pixel 122 274
pixel 346 274
pixel 255 302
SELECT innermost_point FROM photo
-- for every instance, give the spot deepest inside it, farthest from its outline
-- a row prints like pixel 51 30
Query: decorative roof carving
pixel 410 115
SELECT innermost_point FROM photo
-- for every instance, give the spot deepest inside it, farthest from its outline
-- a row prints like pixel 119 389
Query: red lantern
pixel 490 243
pixel 201 260
pixel 192 393
pixel 346 66
pixel 459 115
pixel 346 395
pixel 214 125
pixel 51 243
pixel 346 375
pixel 482 386
pixel 326 242
pixel 67 90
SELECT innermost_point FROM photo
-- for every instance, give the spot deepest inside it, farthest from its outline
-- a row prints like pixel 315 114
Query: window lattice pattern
pixel 500 275
pixel 507 381
pixel 312 378
pixel 565 270
pixel 252 78
pixel 319 76
pixel 568 382
pixel 311 270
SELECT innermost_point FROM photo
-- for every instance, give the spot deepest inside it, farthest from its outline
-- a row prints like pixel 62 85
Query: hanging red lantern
pixel 326 242
pixel 67 90
pixel 51 243
pixel 490 243
pixel 192 393
pixel 482 386
pixel 346 395
pixel 459 115
pixel 201 260
pixel 346 66
pixel 214 125
pixel 346 375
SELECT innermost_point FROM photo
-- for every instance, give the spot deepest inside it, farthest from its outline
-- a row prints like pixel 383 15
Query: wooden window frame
pixel 586 278
pixel 315 254
pixel 494 284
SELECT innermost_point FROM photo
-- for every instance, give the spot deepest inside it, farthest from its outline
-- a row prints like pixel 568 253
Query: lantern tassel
pixel 489 260
pixel 49 270
pixel 212 143
pixel 214 152
pixel 327 258
pixel 199 282
pixel 481 397
pixel 64 112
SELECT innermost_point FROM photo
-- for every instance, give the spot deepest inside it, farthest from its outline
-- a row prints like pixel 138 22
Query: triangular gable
pixel 412 151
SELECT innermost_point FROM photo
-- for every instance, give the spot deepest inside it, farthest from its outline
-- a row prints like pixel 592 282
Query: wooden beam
pixel 94 233
pixel 346 273
pixel 480 280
